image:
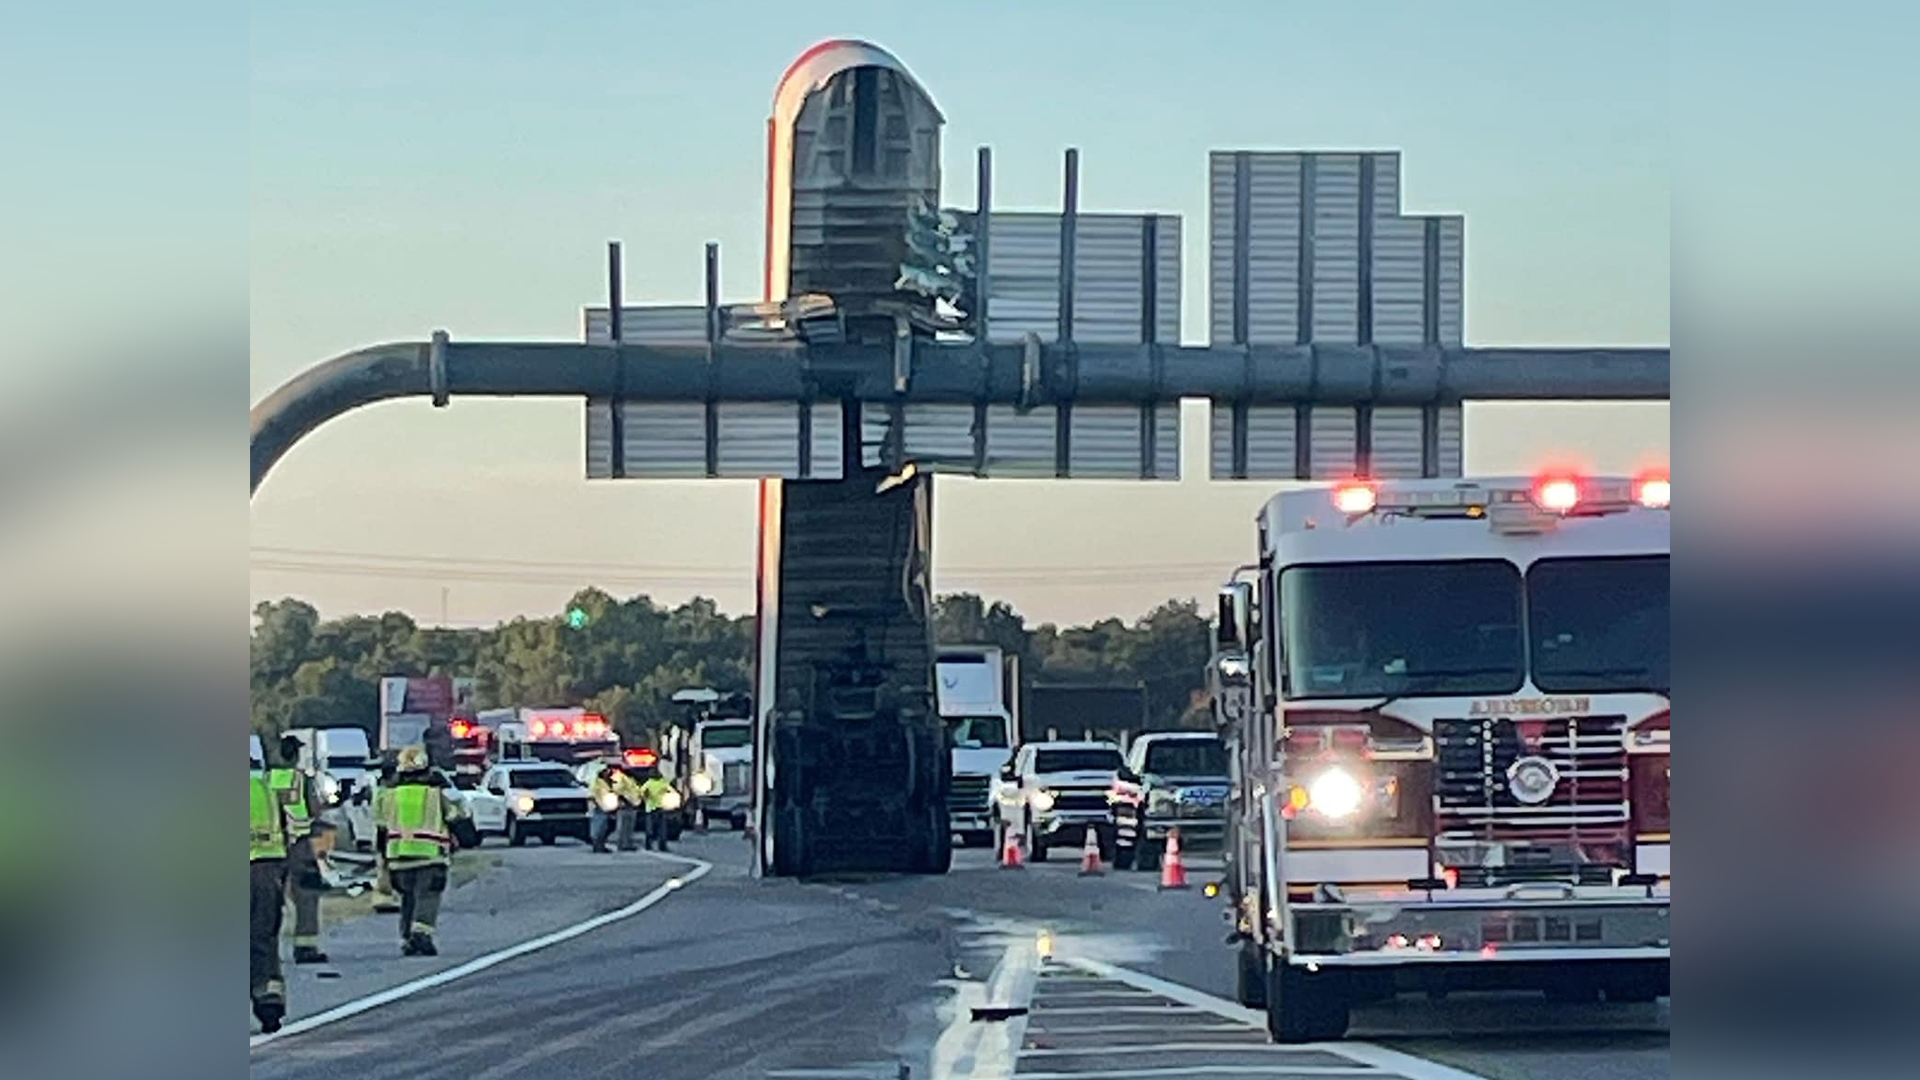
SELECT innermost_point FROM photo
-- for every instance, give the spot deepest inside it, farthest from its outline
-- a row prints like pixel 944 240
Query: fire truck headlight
pixel 1335 794
pixel 701 783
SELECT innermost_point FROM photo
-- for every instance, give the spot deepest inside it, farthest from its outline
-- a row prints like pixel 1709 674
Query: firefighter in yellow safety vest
pixel 417 822
pixel 294 789
pixel 616 799
pixel 659 800
pixel 267 878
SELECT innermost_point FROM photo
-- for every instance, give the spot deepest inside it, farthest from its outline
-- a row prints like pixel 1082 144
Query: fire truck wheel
pixel 1303 1006
pixel 1251 988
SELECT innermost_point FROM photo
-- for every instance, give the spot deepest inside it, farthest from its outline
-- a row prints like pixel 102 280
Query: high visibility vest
pixel 291 788
pixel 416 824
pixel 266 830
pixel 654 792
pixel 629 790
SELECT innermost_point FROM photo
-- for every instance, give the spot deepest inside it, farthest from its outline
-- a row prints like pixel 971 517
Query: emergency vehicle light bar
pixel 1558 494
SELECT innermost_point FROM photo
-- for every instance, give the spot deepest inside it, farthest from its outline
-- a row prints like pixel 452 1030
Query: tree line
pixel 625 658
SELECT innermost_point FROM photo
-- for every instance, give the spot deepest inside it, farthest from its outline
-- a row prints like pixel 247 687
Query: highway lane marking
pixel 697 869
pixel 1396 1065
pixel 1275 1069
pixel 1279 1070
pixel 1109 1010
pixel 1155 1048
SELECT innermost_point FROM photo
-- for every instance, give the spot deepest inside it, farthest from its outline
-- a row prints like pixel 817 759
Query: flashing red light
pixel 1451 876
pixel 461 729
pixel 537 728
pixel 641 758
pixel 579 728
pixel 1354 499
pixel 1654 492
pixel 1558 494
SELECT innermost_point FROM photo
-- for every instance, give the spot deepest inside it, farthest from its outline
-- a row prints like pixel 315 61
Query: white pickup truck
pixel 1053 792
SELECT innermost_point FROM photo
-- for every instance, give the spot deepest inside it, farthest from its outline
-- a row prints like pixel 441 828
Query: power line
pixel 314 559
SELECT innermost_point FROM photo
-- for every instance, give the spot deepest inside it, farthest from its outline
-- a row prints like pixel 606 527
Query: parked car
pixel 1053 792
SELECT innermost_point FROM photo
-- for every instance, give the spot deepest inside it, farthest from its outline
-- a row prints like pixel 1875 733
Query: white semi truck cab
pixel 982 730
pixel 1447 705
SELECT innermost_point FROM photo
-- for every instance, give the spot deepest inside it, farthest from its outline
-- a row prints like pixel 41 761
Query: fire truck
pixel 1447 711
pixel 569 736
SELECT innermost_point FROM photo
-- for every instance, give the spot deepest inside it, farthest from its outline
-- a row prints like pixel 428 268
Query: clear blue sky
pixel 462 165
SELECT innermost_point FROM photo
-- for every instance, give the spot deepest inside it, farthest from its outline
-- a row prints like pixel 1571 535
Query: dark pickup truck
pixel 1175 779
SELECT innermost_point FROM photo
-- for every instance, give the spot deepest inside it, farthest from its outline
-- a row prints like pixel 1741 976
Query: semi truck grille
pixel 1586 811
pixel 736 777
pixel 560 806
pixel 969 794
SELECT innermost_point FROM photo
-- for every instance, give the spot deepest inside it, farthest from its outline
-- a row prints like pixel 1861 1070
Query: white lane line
pixel 1277 1053
pixel 1379 1057
pixel 1185 995
pixel 1148 1029
pixel 1277 1069
pixel 696 870
pixel 1043 1009
pixel 1404 1064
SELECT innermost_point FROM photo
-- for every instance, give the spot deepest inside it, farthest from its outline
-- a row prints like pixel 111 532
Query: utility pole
pixel 443 605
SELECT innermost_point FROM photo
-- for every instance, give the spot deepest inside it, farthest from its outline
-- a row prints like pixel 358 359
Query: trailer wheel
pixel 1305 1006
pixel 1252 984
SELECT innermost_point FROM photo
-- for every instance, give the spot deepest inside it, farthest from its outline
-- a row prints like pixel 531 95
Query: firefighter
pixel 267 877
pixel 654 795
pixel 294 789
pixel 385 900
pixel 607 799
pixel 632 800
pixel 417 825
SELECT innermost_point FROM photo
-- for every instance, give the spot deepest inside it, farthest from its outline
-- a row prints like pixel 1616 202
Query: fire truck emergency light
pixel 1654 492
pixel 1354 499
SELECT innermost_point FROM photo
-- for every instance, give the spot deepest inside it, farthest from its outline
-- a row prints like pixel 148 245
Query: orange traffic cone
pixel 1090 855
pixel 1011 857
pixel 1173 872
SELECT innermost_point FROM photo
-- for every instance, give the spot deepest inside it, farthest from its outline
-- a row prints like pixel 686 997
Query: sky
pixel 462 166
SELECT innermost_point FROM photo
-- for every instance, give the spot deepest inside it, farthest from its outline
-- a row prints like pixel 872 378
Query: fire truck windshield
pixel 1599 624
pixel 1386 629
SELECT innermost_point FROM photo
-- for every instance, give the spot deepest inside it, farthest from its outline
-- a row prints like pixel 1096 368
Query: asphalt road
pixel 856 978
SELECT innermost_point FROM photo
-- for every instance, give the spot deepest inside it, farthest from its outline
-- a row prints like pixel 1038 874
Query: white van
pixel 339 759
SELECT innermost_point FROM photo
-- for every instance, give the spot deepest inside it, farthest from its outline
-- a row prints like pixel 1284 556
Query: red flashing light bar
pixel 641 757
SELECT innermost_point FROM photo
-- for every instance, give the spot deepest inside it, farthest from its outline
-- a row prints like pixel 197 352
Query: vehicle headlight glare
pixel 1163 802
pixel 609 801
pixel 524 803
pixel 702 784
pixel 1335 794
pixel 1042 800
pixel 670 801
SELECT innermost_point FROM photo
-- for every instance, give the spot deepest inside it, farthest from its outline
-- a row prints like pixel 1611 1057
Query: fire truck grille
pixel 1584 817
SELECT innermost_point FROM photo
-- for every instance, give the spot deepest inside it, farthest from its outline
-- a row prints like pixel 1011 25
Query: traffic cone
pixel 1011 857
pixel 1173 872
pixel 1090 855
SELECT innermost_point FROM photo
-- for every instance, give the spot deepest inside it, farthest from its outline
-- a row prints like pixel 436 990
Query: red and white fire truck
pixel 1447 704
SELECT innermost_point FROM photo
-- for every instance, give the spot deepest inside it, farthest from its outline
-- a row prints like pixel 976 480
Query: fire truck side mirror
pixel 1232 626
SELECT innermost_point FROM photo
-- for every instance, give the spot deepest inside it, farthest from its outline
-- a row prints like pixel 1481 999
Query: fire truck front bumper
pixel 1512 938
